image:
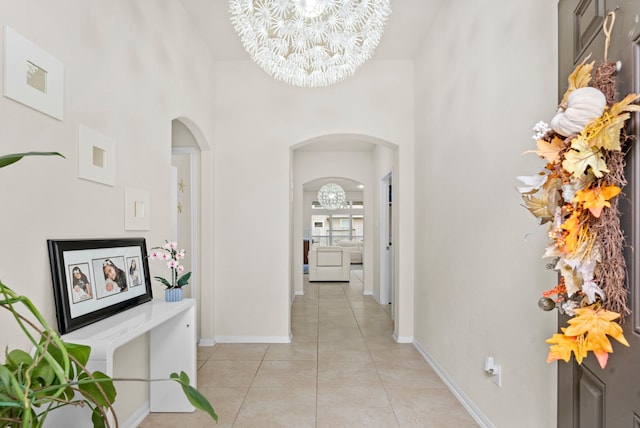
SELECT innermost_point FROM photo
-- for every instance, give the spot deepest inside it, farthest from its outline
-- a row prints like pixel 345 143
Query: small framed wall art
pixel 137 212
pixel 32 76
pixel 96 156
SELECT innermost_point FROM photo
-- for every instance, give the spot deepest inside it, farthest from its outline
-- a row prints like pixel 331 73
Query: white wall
pixel 481 85
pixel 130 67
pixel 257 121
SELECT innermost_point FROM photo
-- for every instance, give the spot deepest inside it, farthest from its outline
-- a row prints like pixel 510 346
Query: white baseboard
pixel 293 297
pixel 254 339
pixel 463 398
pixel 402 339
pixel 206 341
pixel 137 417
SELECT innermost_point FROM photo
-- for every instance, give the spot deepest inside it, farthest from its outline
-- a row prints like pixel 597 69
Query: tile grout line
pixel 246 394
pixel 366 343
pixel 317 351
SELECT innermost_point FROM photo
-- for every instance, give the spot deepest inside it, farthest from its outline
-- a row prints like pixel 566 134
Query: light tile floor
pixel 342 369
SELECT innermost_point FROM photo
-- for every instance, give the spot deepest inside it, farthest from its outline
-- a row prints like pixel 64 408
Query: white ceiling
pixel 402 36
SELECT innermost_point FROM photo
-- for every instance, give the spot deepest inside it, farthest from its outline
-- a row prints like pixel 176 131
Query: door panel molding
pixel 587 18
pixel 592 392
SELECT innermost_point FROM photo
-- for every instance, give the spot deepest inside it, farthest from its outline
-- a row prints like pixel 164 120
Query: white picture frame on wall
pixel 96 156
pixel 32 76
pixel 137 209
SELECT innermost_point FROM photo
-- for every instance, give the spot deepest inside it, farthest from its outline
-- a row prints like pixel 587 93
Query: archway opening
pixel 192 216
pixel 360 163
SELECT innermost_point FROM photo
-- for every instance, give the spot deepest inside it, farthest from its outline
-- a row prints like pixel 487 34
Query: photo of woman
pixel 115 278
pixel 81 287
pixel 134 272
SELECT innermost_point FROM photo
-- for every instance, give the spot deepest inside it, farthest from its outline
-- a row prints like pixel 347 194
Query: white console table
pixel 172 347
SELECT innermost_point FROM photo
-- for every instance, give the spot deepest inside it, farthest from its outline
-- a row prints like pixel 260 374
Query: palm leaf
pixel 6 160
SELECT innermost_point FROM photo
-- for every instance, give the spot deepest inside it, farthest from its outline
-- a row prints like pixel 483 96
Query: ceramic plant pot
pixel 173 294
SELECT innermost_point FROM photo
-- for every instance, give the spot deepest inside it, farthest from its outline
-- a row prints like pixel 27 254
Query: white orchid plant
pixel 169 252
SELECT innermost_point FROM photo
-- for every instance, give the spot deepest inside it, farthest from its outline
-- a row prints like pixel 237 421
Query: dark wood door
pixel 587 395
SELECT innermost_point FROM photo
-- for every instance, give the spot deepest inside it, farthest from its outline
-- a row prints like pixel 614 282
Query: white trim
pixel 383 270
pixel 206 341
pixel 253 339
pixel 402 339
pixel 463 398
pixel 173 197
pixel 368 293
pixel 193 154
pixel 137 417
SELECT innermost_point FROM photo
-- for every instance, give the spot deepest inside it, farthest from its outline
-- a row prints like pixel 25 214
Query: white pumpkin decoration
pixel 583 106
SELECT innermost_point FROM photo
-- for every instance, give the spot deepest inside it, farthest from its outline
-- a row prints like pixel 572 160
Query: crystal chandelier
pixel 331 196
pixel 309 42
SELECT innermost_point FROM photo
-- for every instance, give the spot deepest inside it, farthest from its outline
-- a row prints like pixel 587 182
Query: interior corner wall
pixel 481 85
pixel 118 58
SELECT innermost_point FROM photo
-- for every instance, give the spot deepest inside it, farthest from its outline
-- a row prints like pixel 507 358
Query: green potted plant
pixel 54 374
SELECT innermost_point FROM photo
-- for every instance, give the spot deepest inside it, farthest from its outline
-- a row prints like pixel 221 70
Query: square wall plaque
pixel 96 156
pixel 137 209
pixel 32 76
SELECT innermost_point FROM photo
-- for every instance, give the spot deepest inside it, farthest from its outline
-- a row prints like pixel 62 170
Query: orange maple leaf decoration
pixel 595 199
pixel 549 150
pixel 588 331
pixel 564 346
pixel 573 226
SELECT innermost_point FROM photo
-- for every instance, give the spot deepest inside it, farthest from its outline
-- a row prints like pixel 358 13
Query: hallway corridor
pixel 342 369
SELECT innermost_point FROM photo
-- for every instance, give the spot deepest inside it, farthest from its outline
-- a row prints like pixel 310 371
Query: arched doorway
pixel 192 219
pixel 362 159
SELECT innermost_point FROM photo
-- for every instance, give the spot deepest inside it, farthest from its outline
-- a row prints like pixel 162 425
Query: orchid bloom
pixel 171 255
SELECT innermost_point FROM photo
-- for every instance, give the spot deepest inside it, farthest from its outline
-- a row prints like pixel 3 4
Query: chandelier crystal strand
pixel 331 196
pixel 309 43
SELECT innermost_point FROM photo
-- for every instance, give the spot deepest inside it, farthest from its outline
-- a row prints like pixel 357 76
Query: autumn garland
pixel 577 193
